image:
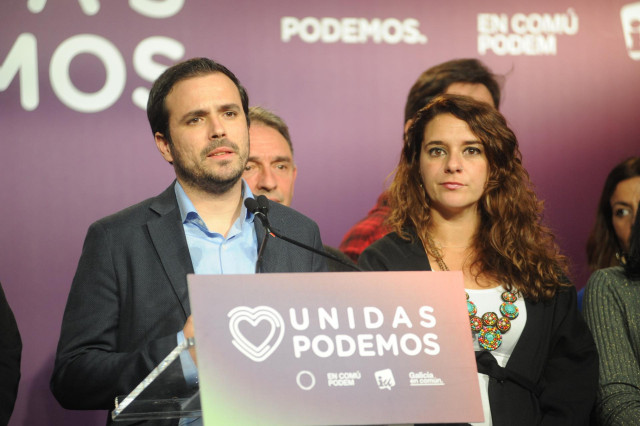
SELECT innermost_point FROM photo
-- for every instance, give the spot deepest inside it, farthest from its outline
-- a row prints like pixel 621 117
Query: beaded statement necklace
pixel 489 327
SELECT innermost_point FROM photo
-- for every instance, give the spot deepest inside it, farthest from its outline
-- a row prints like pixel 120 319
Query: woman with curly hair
pixel 461 200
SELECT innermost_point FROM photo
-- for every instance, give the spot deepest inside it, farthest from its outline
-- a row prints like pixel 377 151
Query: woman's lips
pixel 452 185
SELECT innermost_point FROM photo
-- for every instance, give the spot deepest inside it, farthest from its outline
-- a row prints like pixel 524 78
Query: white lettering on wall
pixel 23 59
pixel 351 30
pixel 531 34
pixel 89 7
pixel 149 70
pixel 158 9
pixel 110 57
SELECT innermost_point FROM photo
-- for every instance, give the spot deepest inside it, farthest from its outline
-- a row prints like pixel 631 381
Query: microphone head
pixel 252 205
pixel 263 204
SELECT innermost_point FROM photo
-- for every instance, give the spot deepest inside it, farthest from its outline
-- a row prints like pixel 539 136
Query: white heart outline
pixel 254 316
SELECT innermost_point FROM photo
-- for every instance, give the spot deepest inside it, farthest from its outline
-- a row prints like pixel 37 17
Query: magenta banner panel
pixel 335 349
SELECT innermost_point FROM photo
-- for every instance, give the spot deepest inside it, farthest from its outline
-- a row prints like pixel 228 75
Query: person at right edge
pixel 612 310
pixel 608 242
pixel 10 355
pixel 462 200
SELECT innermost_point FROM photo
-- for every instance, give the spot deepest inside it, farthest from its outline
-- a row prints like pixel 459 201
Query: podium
pixel 320 348
pixel 163 394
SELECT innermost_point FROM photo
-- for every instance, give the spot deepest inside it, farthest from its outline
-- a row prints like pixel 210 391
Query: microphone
pixel 263 202
pixel 253 206
pixel 260 208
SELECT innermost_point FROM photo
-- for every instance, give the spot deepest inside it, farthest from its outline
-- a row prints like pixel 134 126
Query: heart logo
pixel 255 316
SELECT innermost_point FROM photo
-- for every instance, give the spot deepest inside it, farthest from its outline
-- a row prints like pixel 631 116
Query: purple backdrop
pixel 76 146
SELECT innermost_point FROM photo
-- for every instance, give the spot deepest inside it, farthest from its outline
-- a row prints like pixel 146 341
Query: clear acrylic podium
pixel 163 394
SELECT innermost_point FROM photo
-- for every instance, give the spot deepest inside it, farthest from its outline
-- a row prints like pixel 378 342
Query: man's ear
pixel 163 146
pixel 293 180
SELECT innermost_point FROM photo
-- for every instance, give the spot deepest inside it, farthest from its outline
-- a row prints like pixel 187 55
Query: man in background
pixel 271 170
pixel 468 77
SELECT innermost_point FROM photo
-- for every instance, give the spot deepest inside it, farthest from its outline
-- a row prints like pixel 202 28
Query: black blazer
pixel 129 296
pixel 552 375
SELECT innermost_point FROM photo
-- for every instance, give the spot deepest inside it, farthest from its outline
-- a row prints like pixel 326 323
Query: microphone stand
pixel 260 208
pixel 315 250
pixel 261 249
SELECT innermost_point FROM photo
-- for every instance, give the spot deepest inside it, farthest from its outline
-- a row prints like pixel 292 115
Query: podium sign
pixel 334 348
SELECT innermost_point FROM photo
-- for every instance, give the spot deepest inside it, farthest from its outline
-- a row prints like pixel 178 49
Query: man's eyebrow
pixel 203 112
pixel 194 113
pixel 282 158
pixel 278 159
pixel 229 106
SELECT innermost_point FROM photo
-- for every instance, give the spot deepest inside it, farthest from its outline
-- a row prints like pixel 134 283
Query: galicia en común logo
pixel 421 378
pixel 329 332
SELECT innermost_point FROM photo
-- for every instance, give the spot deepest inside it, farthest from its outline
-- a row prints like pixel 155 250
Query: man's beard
pixel 202 178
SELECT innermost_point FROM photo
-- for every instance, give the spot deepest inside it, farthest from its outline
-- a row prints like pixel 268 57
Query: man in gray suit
pixel 129 304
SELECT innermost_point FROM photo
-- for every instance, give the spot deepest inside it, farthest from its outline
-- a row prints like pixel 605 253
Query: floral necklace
pixel 489 327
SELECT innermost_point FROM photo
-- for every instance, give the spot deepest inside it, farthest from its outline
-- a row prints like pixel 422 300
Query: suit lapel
pixel 167 236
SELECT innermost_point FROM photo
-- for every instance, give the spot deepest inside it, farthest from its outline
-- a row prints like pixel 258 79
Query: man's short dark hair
pixel 437 79
pixel 156 108
pixel 268 118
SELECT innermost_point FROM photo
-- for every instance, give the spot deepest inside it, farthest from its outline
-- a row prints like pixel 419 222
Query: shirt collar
pixel 187 209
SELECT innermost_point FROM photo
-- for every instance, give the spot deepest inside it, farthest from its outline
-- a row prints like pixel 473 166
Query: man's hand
pixel 189 333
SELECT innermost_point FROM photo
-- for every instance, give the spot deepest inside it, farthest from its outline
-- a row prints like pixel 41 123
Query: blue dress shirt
pixel 212 253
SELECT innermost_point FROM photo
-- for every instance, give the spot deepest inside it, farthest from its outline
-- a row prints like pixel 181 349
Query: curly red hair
pixel 510 244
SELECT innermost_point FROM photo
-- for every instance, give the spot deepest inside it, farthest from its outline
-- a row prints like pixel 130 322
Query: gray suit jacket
pixel 129 296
